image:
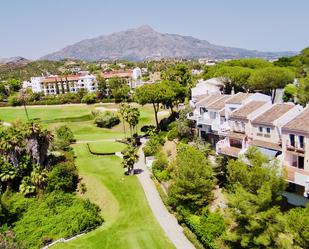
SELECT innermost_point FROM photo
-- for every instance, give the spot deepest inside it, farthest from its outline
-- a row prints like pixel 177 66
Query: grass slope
pixel 106 147
pixel 129 220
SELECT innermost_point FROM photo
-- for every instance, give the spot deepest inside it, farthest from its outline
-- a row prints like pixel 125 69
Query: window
pixel 212 115
pixel 292 140
pixel 202 110
pixel 260 129
pixel 268 130
pixel 301 142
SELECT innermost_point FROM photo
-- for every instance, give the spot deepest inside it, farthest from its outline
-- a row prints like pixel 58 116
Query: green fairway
pixel 77 117
pixel 129 222
pixel 106 147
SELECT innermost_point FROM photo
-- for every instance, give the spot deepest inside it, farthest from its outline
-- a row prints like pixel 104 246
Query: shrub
pixel 153 145
pixel 148 129
pixel 89 98
pixel 160 163
pixel 172 134
pixel 107 120
pixel 54 216
pixel 163 175
pixel 207 227
pixel 62 177
pixel 14 100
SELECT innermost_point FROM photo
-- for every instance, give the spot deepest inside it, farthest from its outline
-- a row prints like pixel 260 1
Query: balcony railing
pixel 296 147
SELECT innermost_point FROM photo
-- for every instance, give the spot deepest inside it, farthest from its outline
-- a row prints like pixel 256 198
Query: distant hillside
pixel 145 43
pixel 24 71
pixel 14 61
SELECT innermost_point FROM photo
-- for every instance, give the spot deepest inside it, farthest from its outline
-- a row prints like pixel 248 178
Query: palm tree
pixel 132 118
pixel 130 157
pixel 123 113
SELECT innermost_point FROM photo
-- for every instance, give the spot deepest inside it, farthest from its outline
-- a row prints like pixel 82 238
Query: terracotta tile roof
pixel 300 123
pixel 222 112
pixel 260 143
pixel 275 112
pixel 245 110
pixel 236 135
pixel 53 79
pixel 238 98
pixel 208 100
pixel 218 104
pixel 230 151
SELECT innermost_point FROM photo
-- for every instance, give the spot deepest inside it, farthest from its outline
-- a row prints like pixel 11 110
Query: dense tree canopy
pixel 252 191
pixel 193 180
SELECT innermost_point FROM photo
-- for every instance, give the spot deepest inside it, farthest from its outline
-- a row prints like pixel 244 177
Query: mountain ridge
pixel 144 43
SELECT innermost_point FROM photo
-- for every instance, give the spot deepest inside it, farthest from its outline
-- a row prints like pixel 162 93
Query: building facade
pixel 52 85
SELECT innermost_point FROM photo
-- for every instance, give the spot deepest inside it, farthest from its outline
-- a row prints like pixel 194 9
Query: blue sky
pixel 33 28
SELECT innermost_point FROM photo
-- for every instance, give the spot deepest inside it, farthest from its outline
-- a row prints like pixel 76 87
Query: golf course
pixel 128 219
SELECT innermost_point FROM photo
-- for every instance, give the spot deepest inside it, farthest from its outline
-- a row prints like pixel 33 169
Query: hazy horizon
pixel 35 28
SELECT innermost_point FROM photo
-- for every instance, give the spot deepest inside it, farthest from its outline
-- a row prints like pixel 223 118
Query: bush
pixel 148 129
pixel 160 163
pixel 64 137
pixel 172 134
pixel 153 145
pixel 162 176
pixel 207 227
pixel 62 177
pixel 89 98
pixel 107 120
pixel 14 100
pixel 54 216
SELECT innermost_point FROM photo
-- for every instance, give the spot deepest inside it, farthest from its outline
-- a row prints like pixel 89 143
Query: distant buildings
pixel 54 84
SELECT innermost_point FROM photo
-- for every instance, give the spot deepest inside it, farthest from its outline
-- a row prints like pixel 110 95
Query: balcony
pixel 296 147
pixel 193 116
pixel 293 173
pixel 204 120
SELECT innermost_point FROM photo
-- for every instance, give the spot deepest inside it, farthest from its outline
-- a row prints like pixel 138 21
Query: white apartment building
pixel 212 113
pixel 236 140
pixel 55 84
pixel 205 88
pixel 295 147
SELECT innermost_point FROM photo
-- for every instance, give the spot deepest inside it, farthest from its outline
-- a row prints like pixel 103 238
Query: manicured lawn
pixel 10 114
pixel 106 147
pixel 129 222
pixel 76 117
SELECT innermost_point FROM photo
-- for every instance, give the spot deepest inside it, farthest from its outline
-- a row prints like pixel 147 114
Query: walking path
pixel 167 221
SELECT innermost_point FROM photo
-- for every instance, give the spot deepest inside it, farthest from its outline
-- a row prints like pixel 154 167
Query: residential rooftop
pixel 244 111
pixel 272 114
pixel 208 100
pixel 300 123
pixel 238 98
pixel 219 104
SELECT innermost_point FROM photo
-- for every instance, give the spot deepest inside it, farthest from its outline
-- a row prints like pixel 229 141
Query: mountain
pixel 145 43
pixel 14 61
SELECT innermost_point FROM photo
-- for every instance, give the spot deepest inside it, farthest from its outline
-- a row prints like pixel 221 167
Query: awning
pixel 269 153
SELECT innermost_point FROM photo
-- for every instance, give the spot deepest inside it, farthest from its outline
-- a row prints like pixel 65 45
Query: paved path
pixel 167 221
